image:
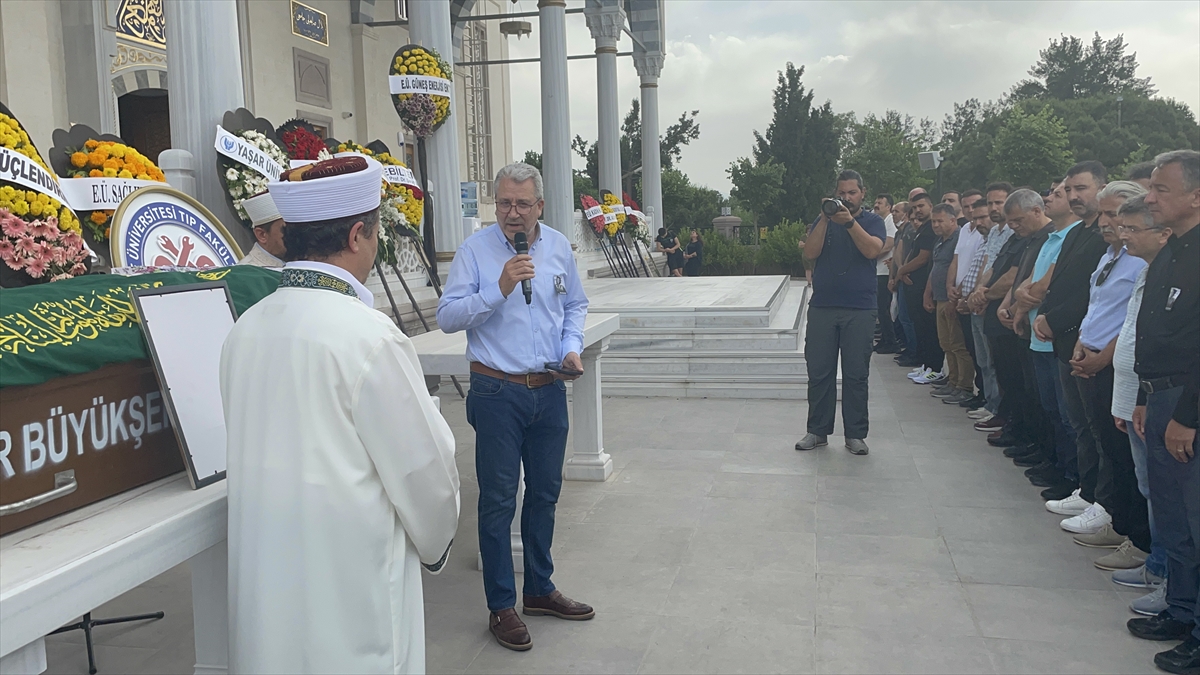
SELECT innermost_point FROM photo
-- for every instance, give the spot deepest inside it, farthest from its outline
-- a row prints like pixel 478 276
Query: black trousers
pixel 1116 480
pixel 929 349
pixel 887 328
pixel 1087 440
pixel 1021 403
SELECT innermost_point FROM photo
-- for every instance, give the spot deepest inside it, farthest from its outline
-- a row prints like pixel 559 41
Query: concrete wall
pixel 34 80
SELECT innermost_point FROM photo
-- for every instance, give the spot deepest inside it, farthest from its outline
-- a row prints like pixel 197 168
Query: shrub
pixel 780 249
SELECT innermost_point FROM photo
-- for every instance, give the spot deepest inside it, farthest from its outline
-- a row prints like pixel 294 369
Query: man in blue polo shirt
pixel 841 314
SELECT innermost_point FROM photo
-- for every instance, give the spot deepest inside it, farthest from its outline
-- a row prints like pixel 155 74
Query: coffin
pixel 81 411
pixel 78 439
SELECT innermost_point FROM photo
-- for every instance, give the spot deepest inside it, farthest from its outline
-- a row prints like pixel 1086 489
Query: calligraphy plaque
pixel 311 24
pixel 142 21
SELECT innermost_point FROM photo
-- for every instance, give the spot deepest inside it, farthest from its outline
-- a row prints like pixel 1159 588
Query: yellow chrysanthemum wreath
pixel 28 204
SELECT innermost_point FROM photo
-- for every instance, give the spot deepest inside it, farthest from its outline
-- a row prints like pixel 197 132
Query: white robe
pixel 260 257
pixel 342 482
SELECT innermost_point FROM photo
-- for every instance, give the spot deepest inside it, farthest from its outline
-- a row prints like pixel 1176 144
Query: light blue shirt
pixel 1108 302
pixel 1046 257
pixel 505 334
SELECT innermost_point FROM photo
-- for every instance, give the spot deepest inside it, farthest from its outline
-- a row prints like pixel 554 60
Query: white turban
pixel 347 194
pixel 261 209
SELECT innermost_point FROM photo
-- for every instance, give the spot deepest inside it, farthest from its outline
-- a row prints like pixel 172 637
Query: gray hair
pixel 1189 162
pixel 1024 201
pixel 1136 206
pixel 1124 189
pixel 519 172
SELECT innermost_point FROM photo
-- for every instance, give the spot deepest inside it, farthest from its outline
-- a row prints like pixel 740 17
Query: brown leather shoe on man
pixel 510 630
pixel 557 604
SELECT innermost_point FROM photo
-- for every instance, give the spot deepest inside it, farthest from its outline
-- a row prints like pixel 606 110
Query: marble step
pixel 675 304
pixel 631 340
pixel 790 391
pixel 750 366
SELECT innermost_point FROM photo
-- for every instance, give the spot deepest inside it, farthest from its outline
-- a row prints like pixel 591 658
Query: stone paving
pixel 716 547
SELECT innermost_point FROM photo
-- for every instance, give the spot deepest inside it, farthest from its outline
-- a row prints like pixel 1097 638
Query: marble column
pixel 589 461
pixel 429 26
pixel 205 81
pixel 649 66
pixel 556 118
pixel 605 19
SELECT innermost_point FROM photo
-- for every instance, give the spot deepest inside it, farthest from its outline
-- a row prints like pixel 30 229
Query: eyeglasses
pixel 1134 230
pixel 522 208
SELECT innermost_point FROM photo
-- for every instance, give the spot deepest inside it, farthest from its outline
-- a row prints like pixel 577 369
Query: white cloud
pixel 918 58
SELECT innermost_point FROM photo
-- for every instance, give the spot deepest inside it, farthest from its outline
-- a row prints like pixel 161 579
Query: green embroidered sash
pixel 301 278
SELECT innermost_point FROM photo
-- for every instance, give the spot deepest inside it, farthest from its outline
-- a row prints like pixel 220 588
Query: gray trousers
pixel 832 330
pixel 983 358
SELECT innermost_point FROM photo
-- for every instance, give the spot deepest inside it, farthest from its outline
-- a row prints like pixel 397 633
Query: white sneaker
pixel 928 377
pixel 1091 521
pixel 918 373
pixel 981 415
pixel 1071 506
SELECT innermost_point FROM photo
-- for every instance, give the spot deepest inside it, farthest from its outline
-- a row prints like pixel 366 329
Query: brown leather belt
pixel 531 380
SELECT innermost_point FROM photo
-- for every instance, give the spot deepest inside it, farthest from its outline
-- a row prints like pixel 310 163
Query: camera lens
pixel 830 207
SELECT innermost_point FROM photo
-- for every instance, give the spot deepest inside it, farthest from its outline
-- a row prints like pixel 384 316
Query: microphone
pixel 521 244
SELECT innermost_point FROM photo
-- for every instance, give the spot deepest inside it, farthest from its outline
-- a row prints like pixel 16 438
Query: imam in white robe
pixel 342 482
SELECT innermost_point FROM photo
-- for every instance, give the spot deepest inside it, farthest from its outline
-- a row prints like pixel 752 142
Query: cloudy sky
pixel 916 57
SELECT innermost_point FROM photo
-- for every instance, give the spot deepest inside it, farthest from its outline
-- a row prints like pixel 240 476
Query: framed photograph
pixel 185 328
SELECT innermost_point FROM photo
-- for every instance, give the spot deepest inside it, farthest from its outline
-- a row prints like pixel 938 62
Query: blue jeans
pixel 1156 563
pixel 1175 492
pixel 906 324
pixel 983 357
pixel 1054 402
pixel 516 425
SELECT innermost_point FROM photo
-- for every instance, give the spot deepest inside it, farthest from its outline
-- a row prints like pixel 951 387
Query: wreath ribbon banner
pixel 100 194
pixel 243 153
pixel 19 169
pixel 593 212
pixel 420 84
pixel 392 173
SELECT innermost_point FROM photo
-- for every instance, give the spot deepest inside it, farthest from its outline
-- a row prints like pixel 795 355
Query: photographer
pixel 841 248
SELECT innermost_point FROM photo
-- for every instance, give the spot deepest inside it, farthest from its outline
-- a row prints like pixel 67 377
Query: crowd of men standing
pixel 1065 321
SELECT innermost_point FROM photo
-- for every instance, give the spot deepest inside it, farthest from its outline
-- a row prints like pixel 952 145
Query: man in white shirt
pixel 971 238
pixel 888 344
pixel 341 472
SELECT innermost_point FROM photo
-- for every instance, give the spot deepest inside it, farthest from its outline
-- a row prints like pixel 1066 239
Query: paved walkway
pixel 716 547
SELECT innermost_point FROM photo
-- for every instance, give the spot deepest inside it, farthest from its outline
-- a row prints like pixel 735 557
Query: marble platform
pixel 705 337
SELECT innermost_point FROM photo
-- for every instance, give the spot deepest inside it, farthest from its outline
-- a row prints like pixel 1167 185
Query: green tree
pixel 582 185
pixel 756 186
pixel 687 206
pixel 685 130
pixel 1031 149
pixel 805 139
pixel 884 150
pixel 1069 69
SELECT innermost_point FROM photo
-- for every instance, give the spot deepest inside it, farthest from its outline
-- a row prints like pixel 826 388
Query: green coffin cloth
pixel 79 325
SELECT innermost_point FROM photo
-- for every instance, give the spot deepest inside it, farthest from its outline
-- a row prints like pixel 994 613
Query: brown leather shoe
pixel 510 630
pixel 557 604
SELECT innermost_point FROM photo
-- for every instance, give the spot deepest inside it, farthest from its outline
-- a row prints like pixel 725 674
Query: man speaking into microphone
pixel 521 346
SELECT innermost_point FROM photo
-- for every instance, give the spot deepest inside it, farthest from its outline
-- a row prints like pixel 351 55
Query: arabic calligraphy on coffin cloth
pixel 79 325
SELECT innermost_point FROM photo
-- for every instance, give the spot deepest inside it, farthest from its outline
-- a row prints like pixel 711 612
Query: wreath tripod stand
pixel 88 623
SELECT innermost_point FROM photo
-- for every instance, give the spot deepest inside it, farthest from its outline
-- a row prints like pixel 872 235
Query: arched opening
pixel 146 121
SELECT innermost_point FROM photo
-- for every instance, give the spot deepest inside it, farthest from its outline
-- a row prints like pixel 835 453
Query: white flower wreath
pixel 244 182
